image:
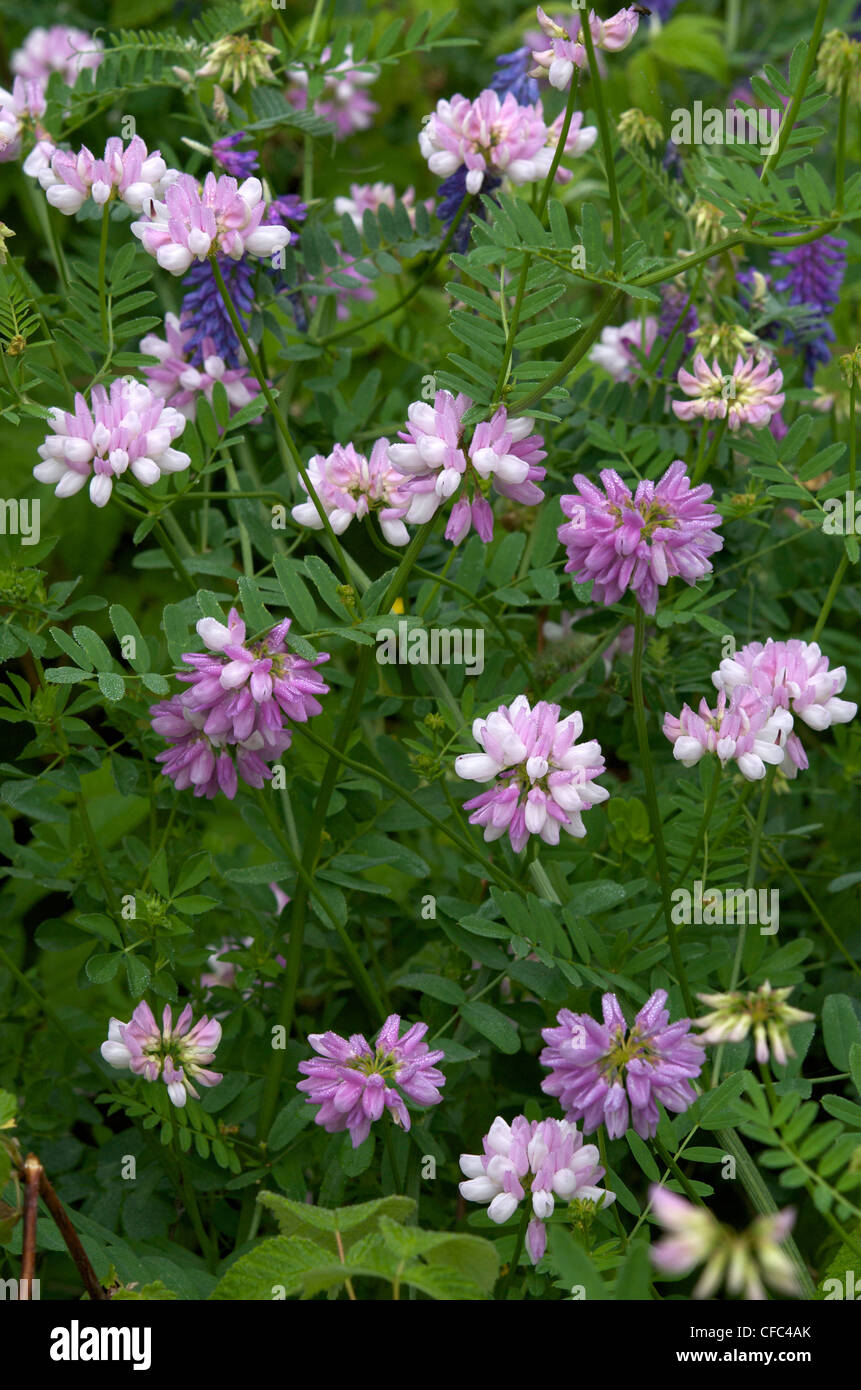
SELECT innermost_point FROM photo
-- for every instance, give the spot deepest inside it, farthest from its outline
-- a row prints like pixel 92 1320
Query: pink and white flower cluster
pixel 665 530
pixel 180 384
pixel 176 1053
pixel 614 350
pixel 352 1083
pixel 219 217
pixel 502 454
pixel 342 102
pixel 761 691
pixel 132 174
pixel 566 51
pixel 59 49
pixel 542 1159
pixel 747 1261
pixel 370 197
pixel 748 395
pixel 128 427
pixel 542 778
pixel 496 137
pixel 230 723
pixel 21 109
pixel 349 486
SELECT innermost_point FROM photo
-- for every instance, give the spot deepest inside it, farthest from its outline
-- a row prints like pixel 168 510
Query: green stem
pixel 525 1218
pixel 103 256
pixel 606 144
pixel 652 801
pixel 840 176
pixel 280 423
pixel 792 110
pixel 172 554
pixel 705 463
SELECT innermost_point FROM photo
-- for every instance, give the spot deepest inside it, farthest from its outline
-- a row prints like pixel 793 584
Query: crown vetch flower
pixel 614 350
pixel 543 779
pixel 342 101
pixel 749 395
pixel 194 222
pixel 792 676
pixel 212 763
pixel 566 50
pixel 246 688
pixel 179 383
pixel 352 1084
pixel 175 1052
pixel 132 174
pixel 600 1070
pixel 745 728
pixel 58 49
pixel 765 1010
pixel 748 1260
pixel 491 137
pixel 128 427
pixel 20 110
pixel 350 485
pixel 502 455
pixel 665 530
pixel 544 1159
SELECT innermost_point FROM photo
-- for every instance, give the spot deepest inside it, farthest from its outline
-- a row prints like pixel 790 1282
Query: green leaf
pixel 493 1025
pixel 101 968
pixel 840 1029
pixel 138 975
pixel 112 686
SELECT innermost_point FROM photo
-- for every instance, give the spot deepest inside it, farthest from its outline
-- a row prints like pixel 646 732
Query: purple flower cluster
pixel 666 529
pixel 814 275
pixel 230 723
pixel 606 1073
pixel 353 1083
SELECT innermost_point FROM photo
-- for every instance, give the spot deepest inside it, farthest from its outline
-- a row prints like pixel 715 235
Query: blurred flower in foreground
pixel 765 1010
pixel 747 1261
pixel 599 1070
pixel 542 778
pixel 544 1159
pixel 342 101
pixel 58 49
pixel 176 1053
pixel 353 1084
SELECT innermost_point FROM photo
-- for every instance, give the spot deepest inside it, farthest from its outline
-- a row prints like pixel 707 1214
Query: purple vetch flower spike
pixel 178 1053
pixel 513 75
pixel 542 1159
pixel 502 456
pixel 674 315
pixel 238 163
pixel 748 395
pixel 543 779
pixel 352 1084
pixel 665 530
pixel 606 1073
pixel 130 427
pixel 814 276
pixel 204 314
pixel 349 486
pixel 745 729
